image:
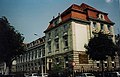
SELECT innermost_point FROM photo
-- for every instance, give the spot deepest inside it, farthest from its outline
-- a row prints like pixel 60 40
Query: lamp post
pixel 36 35
pixel 73 64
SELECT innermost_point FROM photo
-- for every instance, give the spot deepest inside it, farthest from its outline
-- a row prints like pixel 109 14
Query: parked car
pixel 38 75
pixel 113 74
pixel 34 75
pixel 85 75
pixel 118 74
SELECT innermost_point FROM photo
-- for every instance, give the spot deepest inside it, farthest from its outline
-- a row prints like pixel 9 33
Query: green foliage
pixel 100 47
pixel 11 41
pixel 57 66
pixel 118 43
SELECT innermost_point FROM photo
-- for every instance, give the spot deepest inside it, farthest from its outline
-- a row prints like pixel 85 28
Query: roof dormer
pixel 101 16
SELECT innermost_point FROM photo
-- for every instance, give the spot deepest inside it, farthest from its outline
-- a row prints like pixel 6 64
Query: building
pixel 67 34
pixel 63 44
pixel 33 60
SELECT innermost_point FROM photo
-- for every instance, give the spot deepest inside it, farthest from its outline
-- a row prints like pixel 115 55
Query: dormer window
pixel 101 16
pixel 56 22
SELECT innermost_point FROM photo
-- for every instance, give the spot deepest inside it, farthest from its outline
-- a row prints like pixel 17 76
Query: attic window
pixel 101 16
pixel 55 22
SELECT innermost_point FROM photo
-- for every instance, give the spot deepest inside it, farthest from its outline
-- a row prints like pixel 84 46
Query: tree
pixel 100 47
pixel 117 40
pixel 11 43
pixel 118 43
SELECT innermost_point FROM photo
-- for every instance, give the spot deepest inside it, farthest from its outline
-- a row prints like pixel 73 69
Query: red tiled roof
pixel 107 19
pixel 78 15
pixel 84 6
pixel 82 12
pixel 92 14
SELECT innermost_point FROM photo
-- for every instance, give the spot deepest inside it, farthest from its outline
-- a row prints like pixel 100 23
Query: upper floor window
pixel 49 34
pixel 56 22
pixel 56 32
pixel 94 24
pixel 26 56
pixel 65 41
pixel 65 27
pixel 29 55
pixel 57 60
pixel 35 53
pixel 43 51
pixel 57 44
pixel 102 26
pixel 39 52
pixel 101 16
pixel 98 64
pixel 32 54
pixel 66 59
pixel 108 27
pixel 49 46
pixel 113 65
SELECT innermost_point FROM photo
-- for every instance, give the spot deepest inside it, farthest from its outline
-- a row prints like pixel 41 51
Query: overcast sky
pixel 33 16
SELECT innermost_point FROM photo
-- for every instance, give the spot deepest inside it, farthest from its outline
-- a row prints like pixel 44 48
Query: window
pixel 36 54
pixel 113 64
pixel 66 61
pixel 66 58
pixel 49 47
pixel 32 54
pixel 94 24
pixel 66 41
pixel 56 32
pixel 49 35
pixel 101 17
pixel 108 27
pixel 102 26
pixel 26 56
pixel 39 53
pixel 57 60
pixel 57 44
pixel 98 64
pixel 105 64
pixel 56 22
pixel 29 55
pixel 43 51
pixel 65 27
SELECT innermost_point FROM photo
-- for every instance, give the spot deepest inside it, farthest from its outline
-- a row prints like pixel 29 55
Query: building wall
pixel 58 34
pixel 80 35
pixel 30 62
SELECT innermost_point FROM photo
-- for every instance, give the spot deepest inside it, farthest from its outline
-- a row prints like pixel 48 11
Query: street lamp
pixel 41 58
pixel 36 35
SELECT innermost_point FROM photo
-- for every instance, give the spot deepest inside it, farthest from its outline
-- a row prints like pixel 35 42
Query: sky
pixel 31 17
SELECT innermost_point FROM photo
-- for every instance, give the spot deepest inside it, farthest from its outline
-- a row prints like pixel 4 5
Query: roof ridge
pixel 84 6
